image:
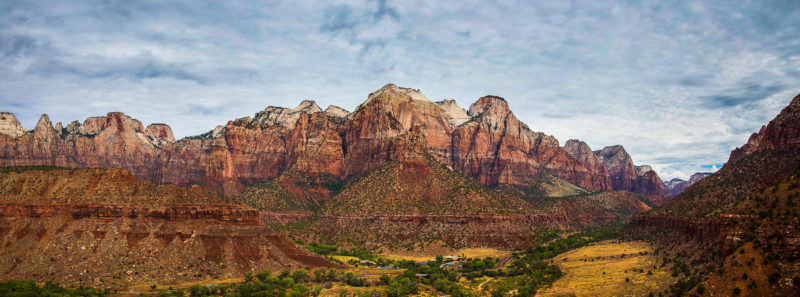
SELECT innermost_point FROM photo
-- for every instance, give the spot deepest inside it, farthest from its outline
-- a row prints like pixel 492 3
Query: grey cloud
pixel 748 94
pixel 339 18
pixel 19 45
pixel 676 84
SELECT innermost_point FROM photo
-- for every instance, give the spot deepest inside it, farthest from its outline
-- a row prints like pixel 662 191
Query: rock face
pixel 9 125
pixel 336 111
pixel 619 166
pixel 455 114
pixel 488 143
pixel 583 153
pixel 625 175
pixel 496 148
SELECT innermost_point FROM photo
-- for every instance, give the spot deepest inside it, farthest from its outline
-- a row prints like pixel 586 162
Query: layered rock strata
pixel 488 143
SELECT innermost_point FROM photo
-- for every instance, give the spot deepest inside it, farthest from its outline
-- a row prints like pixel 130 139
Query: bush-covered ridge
pixel 47 184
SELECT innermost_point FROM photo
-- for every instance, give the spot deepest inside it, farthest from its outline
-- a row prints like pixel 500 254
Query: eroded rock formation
pixel 488 143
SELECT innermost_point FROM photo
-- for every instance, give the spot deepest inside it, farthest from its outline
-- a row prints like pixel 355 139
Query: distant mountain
pixel 677 185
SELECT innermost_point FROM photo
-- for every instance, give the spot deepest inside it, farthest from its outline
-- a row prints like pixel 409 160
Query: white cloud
pixel 675 84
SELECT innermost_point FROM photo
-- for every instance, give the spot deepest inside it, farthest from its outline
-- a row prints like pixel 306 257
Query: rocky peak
pixel 643 169
pixel 9 125
pixel 491 106
pixel 581 152
pixel 698 176
pixel 159 132
pixel 404 93
pixel 307 106
pixel 336 111
pixel 455 114
pixel 285 117
pixel 43 124
pixel 615 158
pixel 410 146
pixel 94 125
pixel 619 166
pixel 218 132
pixel 122 123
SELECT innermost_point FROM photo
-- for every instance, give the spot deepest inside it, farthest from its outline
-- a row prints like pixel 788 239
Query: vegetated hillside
pixel 547 185
pixel 36 184
pixel 734 181
pixel 751 200
pixel 293 190
pixel 618 204
pixel 426 186
pixel 107 228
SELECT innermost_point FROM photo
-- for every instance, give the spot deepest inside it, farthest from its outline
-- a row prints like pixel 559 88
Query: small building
pixel 368 263
pixel 452 258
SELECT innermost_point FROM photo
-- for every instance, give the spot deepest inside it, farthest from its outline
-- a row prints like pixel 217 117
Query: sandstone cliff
pixel 488 143
pixel 627 176
pixel 9 125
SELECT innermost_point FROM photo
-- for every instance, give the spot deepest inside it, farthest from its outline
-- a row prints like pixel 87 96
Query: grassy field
pixel 610 268
pixel 430 254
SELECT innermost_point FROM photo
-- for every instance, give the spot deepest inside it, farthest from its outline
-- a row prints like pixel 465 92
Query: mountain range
pixel 486 142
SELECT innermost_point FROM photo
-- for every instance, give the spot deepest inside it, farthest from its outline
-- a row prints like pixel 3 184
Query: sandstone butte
pixel 487 142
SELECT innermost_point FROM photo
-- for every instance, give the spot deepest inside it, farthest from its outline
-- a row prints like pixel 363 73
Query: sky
pixel 678 84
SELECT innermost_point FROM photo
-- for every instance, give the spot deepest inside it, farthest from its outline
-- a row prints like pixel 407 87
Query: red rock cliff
pixel 490 144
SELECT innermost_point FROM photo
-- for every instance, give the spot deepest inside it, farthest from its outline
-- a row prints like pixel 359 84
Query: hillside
pixel 414 182
pixel 770 155
pixel 87 186
pixel 293 190
pixel 108 229
pixel 751 201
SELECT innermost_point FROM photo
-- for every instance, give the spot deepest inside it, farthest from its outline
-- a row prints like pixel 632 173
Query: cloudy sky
pixel 679 85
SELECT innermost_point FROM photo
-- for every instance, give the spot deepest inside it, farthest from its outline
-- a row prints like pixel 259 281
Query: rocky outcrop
pixel 9 125
pixel 496 148
pixel 782 133
pixel 159 133
pixel 583 153
pixel 285 117
pixel 619 166
pixel 698 176
pixel 113 141
pixel 455 114
pixel 626 176
pixel 336 111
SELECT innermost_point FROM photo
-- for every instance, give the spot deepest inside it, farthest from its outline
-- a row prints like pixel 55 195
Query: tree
pixel 263 276
pixel 300 275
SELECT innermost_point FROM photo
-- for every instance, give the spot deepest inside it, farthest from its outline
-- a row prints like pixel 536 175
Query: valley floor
pixel 610 268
